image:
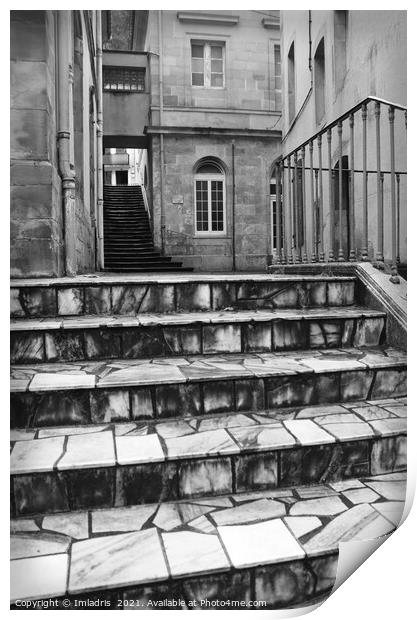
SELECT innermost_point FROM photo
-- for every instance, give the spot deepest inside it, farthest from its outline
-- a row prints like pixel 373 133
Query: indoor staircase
pixel 128 242
pixel 198 441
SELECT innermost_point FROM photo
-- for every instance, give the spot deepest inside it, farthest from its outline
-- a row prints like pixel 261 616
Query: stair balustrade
pixel 342 193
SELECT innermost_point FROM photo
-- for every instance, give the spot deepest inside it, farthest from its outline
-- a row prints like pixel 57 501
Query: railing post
pixel 398 219
pixel 379 181
pixel 284 232
pixel 313 207
pixel 340 257
pixel 296 211
pixel 277 205
pixel 394 273
pixel 364 185
pixel 320 219
pixel 331 205
pixel 303 212
pixel 352 249
pixel 290 218
pixel 315 224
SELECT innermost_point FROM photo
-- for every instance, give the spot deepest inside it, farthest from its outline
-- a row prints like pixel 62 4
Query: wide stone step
pixel 135 463
pixel 174 293
pixel 124 390
pixel 239 547
pixel 130 337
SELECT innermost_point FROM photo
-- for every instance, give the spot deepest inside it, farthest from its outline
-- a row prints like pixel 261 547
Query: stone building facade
pixel 54 163
pixel 331 61
pixel 215 106
pixel 225 95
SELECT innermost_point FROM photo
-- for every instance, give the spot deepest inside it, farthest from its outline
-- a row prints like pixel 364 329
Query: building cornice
pixel 246 111
pixel 212 131
pixel 202 17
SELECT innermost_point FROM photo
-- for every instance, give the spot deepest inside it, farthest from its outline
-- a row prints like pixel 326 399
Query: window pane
pixel 217 66
pixel 217 206
pixel 202 205
pixel 197 51
pixel 197 79
pixel 217 79
pixel 216 51
pixel 197 65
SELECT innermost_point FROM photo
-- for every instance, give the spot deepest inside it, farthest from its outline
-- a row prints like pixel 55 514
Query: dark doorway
pixel 122 177
pixel 345 208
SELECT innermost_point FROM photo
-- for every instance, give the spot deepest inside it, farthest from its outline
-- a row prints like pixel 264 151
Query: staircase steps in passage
pixel 125 218
pixel 199 438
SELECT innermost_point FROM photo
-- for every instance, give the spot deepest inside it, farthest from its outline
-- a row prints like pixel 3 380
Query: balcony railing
pixel 342 193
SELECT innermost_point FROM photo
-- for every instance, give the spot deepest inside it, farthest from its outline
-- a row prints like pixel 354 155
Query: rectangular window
pixel 209 200
pixel 277 77
pixel 207 64
pixel 127 79
pixel 291 82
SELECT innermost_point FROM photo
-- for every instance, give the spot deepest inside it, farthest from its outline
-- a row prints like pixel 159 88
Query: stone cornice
pixel 212 131
pixel 201 17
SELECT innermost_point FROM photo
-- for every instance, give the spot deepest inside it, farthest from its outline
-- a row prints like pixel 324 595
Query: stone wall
pixel 254 157
pixel 37 226
pixel 36 221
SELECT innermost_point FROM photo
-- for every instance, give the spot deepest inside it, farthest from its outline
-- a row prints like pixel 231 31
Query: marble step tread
pixel 185 318
pixel 201 368
pixel 134 443
pixel 101 278
pixel 215 547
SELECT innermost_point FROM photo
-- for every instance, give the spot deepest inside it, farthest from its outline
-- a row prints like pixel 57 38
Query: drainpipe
pixel 161 137
pixel 99 69
pixel 233 208
pixel 65 168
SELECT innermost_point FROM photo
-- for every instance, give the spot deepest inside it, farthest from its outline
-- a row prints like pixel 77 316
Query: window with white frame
pixel 209 183
pixel 207 64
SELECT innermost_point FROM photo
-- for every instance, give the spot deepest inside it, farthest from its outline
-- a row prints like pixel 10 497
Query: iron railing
pixel 337 206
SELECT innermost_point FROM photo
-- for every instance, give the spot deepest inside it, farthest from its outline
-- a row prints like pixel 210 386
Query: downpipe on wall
pixel 233 208
pixel 65 168
pixel 99 68
pixel 161 137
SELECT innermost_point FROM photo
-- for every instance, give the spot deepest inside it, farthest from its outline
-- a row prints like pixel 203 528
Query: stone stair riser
pixel 42 301
pixel 195 338
pixel 123 403
pixel 126 485
pixel 311 580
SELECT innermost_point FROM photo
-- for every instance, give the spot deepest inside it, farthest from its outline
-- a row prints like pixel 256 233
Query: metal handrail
pixel 343 117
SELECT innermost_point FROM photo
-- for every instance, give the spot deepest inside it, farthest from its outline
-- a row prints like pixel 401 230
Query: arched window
pixel 209 189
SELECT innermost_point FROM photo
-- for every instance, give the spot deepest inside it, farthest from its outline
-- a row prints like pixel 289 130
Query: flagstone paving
pixel 133 545
pixel 199 437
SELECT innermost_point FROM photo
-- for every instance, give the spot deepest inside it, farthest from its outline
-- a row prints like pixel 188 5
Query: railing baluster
pixel 331 205
pixel 290 218
pixel 398 220
pixel 364 185
pixel 315 213
pixel 284 232
pixel 277 222
pixel 296 211
pixel 352 249
pixel 304 206
pixel 379 181
pixel 340 257
pixel 320 219
pixel 312 203
pixel 394 272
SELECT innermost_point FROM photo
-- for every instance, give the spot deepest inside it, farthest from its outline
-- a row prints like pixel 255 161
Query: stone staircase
pixel 128 241
pixel 184 441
